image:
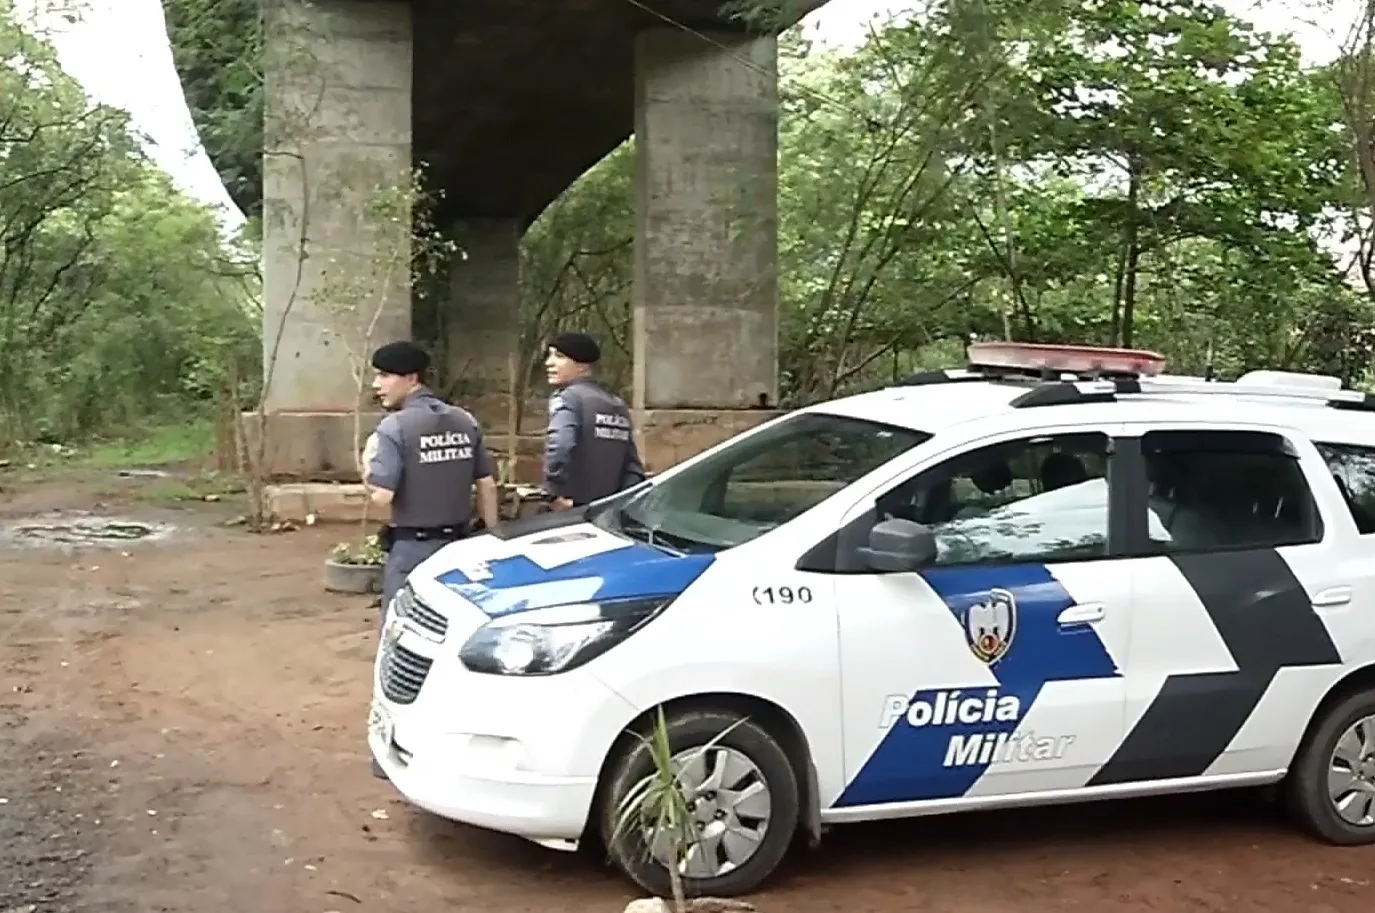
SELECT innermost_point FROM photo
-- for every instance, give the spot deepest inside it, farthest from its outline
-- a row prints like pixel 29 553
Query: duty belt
pixel 429 533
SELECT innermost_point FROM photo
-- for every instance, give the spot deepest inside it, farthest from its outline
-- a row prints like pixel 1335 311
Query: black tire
pixel 1306 793
pixel 692 729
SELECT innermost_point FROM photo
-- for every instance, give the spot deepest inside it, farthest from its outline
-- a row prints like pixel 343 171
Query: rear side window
pixel 1353 468
pixel 1215 490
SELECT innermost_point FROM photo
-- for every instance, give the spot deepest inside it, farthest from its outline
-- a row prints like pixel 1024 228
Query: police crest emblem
pixel 990 625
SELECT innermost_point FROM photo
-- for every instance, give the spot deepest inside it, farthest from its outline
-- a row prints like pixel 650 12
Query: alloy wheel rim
pixel 727 806
pixel 1351 774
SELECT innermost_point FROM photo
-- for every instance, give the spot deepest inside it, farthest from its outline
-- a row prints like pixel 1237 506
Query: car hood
pixel 571 563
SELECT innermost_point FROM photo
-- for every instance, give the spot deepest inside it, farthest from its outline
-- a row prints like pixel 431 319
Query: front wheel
pixel 739 796
pixel 1331 785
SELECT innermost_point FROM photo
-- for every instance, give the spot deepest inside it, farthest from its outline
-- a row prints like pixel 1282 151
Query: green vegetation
pixel 1149 173
pixel 156 445
pixel 121 308
pixel 218 46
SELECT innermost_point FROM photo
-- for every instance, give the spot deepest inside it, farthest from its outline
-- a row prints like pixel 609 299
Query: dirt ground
pixel 181 729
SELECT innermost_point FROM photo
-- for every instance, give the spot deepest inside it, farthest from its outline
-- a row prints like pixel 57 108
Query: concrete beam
pixel 706 238
pixel 337 139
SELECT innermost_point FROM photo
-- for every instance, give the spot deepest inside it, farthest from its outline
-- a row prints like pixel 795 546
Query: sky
pixel 123 59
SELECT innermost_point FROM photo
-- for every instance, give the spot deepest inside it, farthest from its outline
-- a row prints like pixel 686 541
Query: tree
pixel 869 192
pixel 576 270
pixel 1179 121
pixel 1150 173
pixel 117 299
pixel 217 46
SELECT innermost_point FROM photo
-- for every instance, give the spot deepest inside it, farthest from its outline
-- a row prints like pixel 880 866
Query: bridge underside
pixel 503 104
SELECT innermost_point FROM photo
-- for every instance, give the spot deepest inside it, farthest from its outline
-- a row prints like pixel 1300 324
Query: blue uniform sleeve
pixel 558 448
pixel 385 469
pixel 482 461
pixel 634 472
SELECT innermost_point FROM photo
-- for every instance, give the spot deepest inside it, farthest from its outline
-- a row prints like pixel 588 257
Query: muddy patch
pixel 68 530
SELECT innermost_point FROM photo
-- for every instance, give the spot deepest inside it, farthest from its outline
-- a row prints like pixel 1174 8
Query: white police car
pixel 1053 576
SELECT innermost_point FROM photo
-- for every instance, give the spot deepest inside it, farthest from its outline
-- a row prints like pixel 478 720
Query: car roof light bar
pixel 1051 361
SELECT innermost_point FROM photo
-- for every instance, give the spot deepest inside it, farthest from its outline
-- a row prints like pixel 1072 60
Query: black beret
pixel 578 346
pixel 401 357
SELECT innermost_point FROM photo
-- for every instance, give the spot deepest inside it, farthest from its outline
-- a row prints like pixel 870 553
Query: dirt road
pixel 181 730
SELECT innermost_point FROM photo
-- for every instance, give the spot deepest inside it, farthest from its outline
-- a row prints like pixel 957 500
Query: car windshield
pixel 760 482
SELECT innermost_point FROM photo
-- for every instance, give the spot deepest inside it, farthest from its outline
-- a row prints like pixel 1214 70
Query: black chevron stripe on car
pixel 1266 619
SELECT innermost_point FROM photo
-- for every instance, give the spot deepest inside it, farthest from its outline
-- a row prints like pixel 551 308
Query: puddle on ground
pixel 143 474
pixel 94 531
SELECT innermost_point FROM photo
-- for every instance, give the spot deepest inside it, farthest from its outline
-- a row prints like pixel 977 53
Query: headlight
pixel 556 639
pixel 403 603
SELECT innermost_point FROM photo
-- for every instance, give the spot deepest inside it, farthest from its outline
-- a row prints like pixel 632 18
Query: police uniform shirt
pixel 429 453
pixel 590 453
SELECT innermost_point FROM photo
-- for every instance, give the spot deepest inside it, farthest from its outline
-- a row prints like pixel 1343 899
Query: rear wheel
pixel 742 802
pixel 1331 785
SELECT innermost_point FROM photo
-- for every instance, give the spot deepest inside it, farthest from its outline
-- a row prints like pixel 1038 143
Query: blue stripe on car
pixel 632 572
pixel 910 761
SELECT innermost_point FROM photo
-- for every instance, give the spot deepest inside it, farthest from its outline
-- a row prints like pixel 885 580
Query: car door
pixel 1235 589
pixel 994 670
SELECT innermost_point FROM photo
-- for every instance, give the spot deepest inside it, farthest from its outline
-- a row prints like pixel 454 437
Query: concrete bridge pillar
pixel 480 324
pixel 338 131
pixel 337 138
pixel 706 240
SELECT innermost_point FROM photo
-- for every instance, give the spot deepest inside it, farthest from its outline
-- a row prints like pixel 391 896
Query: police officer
pixel 423 461
pixel 590 452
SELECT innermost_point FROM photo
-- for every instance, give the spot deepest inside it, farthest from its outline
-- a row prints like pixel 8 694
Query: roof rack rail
pixel 1106 391
pixel 1069 393
pixel 1065 375
pixel 951 376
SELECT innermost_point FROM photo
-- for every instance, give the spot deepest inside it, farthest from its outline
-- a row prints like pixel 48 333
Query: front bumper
pixel 518 755
pixel 532 805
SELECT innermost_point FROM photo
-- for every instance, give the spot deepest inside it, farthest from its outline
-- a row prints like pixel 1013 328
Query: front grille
pixel 419 613
pixel 403 672
pixel 428 619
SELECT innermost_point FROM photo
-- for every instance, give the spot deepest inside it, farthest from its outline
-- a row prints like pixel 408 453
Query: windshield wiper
pixel 624 521
pixel 684 545
pixel 657 538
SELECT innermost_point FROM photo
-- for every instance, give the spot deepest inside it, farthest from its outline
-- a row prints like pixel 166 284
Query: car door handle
pixel 1332 596
pixel 1082 614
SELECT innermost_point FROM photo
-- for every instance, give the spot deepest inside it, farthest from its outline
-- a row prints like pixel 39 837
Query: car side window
pixel 1042 498
pixel 1353 468
pixel 1215 490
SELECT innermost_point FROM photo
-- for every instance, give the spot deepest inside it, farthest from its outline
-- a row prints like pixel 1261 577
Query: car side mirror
pixel 899 545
